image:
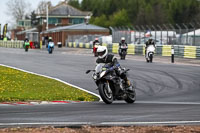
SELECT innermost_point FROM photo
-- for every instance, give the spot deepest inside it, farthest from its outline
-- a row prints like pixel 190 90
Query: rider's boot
pixel 129 86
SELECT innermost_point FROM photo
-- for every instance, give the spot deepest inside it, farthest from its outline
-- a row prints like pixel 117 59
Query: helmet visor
pixel 101 53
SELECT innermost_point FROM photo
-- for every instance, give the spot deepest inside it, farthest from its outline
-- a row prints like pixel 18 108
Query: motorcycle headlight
pixel 102 74
pixel 94 77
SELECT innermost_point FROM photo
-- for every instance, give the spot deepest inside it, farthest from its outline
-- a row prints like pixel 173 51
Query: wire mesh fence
pixel 166 34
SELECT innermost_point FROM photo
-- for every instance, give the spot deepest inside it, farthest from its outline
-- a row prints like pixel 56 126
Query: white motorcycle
pixel 149 53
pixel 123 52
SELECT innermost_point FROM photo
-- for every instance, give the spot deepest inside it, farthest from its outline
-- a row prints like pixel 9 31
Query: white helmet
pixel 102 51
pixel 123 38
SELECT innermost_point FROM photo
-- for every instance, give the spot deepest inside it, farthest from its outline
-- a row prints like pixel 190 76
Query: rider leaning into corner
pixel 149 42
pixel 122 43
pixel 104 57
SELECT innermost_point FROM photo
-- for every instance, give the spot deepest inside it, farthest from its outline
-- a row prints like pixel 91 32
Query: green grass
pixel 20 86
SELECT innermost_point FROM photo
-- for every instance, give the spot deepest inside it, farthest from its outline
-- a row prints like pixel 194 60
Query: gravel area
pixel 88 129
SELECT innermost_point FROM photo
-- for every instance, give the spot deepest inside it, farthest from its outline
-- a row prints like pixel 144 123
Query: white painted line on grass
pixel 54 79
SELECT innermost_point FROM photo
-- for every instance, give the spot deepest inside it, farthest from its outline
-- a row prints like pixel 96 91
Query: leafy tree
pixel 74 3
pixel 34 20
pixel 120 18
pixel 142 12
pixel 101 21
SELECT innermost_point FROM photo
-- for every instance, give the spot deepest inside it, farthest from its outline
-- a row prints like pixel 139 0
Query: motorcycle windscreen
pixel 98 68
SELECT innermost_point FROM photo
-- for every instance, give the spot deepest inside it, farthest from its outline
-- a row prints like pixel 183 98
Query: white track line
pixel 149 123
pixel 46 123
pixel 54 79
pixel 102 123
pixel 157 102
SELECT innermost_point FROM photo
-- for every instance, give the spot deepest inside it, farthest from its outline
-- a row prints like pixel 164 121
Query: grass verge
pixel 16 85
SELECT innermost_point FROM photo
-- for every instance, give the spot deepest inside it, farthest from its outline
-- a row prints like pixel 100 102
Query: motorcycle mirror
pixel 88 71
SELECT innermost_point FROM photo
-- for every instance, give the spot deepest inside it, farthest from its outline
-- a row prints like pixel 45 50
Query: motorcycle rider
pixel 50 39
pixel 104 57
pixel 149 42
pixel 122 43
pixel 95 41
pixel 26 40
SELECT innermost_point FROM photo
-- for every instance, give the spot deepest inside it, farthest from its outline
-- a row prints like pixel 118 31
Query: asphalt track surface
pixel 167 94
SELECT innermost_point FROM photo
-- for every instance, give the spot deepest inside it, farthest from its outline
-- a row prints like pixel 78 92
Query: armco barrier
pixel 190 52
pixel 163 50
pixel 198 53
pixel 11 44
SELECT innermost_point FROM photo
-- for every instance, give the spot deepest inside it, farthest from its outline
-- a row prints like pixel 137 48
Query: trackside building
pixel 61 34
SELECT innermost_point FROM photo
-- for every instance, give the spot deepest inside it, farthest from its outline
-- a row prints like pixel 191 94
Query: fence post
pixel 139 33
pixel 187 33
pixel 149 29
pixel 194 33
pixel 160 32
pixel 167 32
pixel 173 30
pixel 144 32
pixel 112 33
pixel 180 40
pixel 154 28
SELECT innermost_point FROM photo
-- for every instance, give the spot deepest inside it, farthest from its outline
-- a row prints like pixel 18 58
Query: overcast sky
pixel 5 19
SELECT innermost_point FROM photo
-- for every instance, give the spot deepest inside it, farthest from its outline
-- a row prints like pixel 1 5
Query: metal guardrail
pixel 163 50
pixel 11 44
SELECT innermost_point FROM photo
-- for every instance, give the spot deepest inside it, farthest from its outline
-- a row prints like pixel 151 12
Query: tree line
pixel 140 12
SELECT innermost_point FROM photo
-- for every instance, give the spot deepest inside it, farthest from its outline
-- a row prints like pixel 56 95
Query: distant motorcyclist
pixel 95 46
pixel 149 42
pixel 50 39
pixel 26 44
pixel 95 41
pixel 26 39
pixel 104 57
pixel 122 43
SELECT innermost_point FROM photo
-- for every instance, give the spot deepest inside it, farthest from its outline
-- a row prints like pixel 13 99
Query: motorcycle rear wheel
pixel 106 96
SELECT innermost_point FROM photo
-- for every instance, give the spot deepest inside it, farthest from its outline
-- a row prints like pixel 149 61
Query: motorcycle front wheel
pixel 50 50
pixel 106 93
pixel 131 96
pixel 26 48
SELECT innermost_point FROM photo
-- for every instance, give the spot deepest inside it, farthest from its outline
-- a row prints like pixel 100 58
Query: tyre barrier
pixel 163 50
pixel 11 44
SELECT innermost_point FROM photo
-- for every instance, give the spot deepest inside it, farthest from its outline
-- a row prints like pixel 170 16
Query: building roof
pixel 197 33
pixel 77 27
pixel 63 9
pixel 27 31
